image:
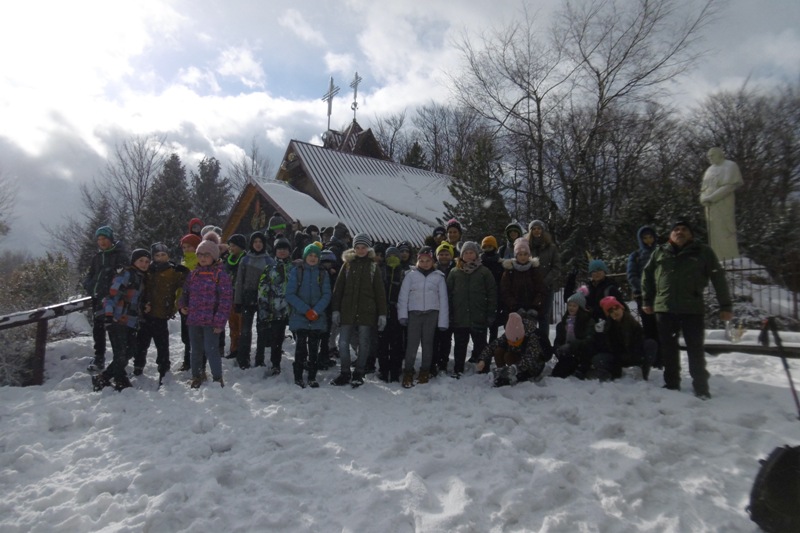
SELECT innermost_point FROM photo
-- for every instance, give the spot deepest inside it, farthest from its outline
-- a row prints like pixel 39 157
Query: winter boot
pixel 357 380
pixel 408 379
pixel 341 379
pixel 196 382
pixel 313 383
pixel 122 383
pixel 99 382
pixel 300 383
pixel 423 377
pixel 138 370
pixel 219 380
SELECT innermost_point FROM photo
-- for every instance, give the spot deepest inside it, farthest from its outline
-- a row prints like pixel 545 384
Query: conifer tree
pixel 211 194
pixel 476 187
pixel 167 208
pixel 415 157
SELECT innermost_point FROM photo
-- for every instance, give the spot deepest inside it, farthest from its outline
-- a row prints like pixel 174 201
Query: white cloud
pixel 342 63
pixel 294 21
pixel 240 63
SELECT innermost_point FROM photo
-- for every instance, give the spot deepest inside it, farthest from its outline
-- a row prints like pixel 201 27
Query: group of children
pixel 369 295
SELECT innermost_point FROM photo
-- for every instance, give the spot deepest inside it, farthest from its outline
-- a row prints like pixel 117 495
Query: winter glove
pixel 336 319
pixel 600 327
pixel 403 321
pixel 381 322
pixel 312 315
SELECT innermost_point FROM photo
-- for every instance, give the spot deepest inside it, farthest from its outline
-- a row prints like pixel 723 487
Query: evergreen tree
pixel 415 157
pixel 476 186
pixel 167 208
pixel 211 194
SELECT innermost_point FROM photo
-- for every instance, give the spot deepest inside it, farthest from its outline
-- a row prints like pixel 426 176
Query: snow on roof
pixel 298 205
pixel 389 201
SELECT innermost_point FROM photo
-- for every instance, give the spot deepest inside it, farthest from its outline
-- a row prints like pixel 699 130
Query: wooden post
pixel 37 377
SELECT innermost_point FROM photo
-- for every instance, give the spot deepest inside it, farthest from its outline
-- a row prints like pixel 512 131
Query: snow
pixel 450 456
pixel 298 205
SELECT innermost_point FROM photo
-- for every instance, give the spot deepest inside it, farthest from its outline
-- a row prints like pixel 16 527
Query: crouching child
pixel 519 353
pixel 621 343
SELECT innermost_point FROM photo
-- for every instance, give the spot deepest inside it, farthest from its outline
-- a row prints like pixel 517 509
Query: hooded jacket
pixel 359 295
pixel 424 292
pixel 473 296
pixel 207 295
pixel 522 286
pixel 309 290
pixel 638 259
pixel 105 264
pixel 248 274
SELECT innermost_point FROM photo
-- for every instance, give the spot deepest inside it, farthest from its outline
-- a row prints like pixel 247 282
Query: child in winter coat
pixel 123 307
pixel 206 302
pixel 600 286
pixel 111 258
pixel 545 250
pixel 422 307
pixel 512 232
pixel 473 298
pixel 273 308
pixel 620 342
pixel 245 298
pixel 646 239
pixel 391 341
pixel 519 353
pixel 443 339
pixel 522 285
pixel 189 244
pixel 491 260
pixel 237 247
pixel 328 349
pixel 574 344
pixel 308 294
pixel 454 234
pixel 164 281
pixel 359 305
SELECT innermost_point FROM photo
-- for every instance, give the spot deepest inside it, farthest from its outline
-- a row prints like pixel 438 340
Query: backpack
pixel 775 497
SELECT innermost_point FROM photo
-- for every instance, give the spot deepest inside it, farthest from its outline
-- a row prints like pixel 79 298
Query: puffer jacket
pixel 549 260
pixel 125 300
pixel 248 274
pixel 359 295
pixel 638 259
pixel 522 286
pixel 309 287
pixel 421 292
pixel 473 297
pixel 272 304
pixel 207 295
pixel 164 281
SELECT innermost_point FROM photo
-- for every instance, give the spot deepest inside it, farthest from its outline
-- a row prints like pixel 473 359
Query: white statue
pixel 720 181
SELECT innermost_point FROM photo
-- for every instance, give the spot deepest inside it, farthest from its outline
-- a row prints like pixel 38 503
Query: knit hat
pixel 212 236
pixel 138 254
pixel 210 227
pixel 514 226
pixel 318 244
pixel 277 223
pixel 597 264
pixel 579 299
pixel 105 231
pixel 514 330
pixel 609 302
pixel 380 248
pixel 311 249
pixel 445 246
pixel 362 238
pixel 470 245
pixel 538 223
pixel 327 255
pixel 521 245
pixel 158 248
pixel 425 250
pixel 208 247
pixel 282 242
pixel 191 239
pixel 403 246
pixel 439 230
pixel 453 223
pixel 339 231
pixel 489 241
pixel 239 240
pixel 679 222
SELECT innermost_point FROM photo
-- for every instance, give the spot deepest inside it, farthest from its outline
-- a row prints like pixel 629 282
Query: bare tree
pixel 390 134
pixel 251 166
pixel 8 196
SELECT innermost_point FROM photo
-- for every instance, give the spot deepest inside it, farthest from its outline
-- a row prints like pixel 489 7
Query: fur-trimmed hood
pixel 350 254
pixel 508 264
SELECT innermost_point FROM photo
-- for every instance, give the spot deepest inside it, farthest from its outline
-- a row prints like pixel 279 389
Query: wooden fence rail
pixel 40 317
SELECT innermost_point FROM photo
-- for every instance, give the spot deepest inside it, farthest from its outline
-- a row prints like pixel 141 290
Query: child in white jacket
pixel 422 307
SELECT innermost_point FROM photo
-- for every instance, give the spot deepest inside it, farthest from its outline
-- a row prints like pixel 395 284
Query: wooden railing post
pixel 37 377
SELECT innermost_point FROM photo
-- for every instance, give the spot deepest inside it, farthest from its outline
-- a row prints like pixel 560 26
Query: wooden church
pixel 348 180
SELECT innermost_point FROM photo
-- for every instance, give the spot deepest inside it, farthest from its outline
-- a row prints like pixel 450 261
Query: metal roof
pixel 389 201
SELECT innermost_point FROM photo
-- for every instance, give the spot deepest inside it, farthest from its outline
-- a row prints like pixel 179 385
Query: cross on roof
pixel 328 97
pixel 354 84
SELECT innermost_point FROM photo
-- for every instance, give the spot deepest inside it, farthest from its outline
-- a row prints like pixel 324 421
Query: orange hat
pixel 489 241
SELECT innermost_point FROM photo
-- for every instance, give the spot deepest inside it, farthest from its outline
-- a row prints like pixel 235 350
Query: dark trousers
pixel 187 344
pixel 442 343
pixel 462 336
pixel 391 350
pixel 544 317
pixel 273 332
pixel 609 365
pixel 123 344
pixel 155 330
pixel 99 336
pixel 650 329
pixel 306 347
pixel 246 338
pixel 693 329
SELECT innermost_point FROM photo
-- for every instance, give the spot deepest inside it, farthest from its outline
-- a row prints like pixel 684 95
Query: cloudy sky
pixel 212 75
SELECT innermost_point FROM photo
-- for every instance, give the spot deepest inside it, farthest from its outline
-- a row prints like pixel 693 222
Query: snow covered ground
pixel 265 455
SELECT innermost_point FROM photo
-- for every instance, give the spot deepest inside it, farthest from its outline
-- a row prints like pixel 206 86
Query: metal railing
pixel 40 317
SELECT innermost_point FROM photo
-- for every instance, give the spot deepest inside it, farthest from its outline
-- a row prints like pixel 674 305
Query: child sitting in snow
pixel 519 353
pixel 574 344
pixel 620 342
